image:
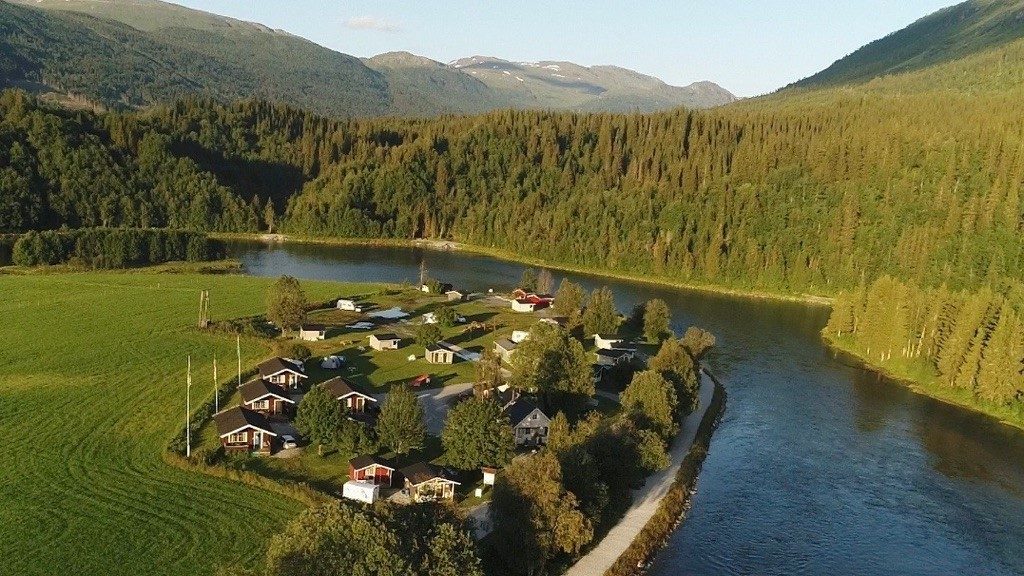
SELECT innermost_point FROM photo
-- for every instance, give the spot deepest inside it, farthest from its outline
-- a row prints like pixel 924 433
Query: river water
pixel 819 467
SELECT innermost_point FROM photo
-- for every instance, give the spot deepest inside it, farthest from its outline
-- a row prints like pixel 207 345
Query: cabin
pixel 523 305
pixel 438 354
pixel 425 482
pixel 284 372
pixel 267 398
pixel 531 303
pixel 387 341
pixel 349 305
pixel 312 332
pixel 371 469
pixel 489 474
pixel 607 341
pixel 244 430
pixel 615 356
pixel 353 399
pixel 456 295
pixel 505 347
pixel 529 423
pixel 443 288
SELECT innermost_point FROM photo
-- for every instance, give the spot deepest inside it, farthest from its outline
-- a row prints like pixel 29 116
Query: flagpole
pixel 216 392
pixel 238 352
pixel 188 411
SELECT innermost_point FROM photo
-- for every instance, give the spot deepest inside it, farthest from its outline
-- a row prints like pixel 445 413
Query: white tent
pixel 332 362
pixel 360 491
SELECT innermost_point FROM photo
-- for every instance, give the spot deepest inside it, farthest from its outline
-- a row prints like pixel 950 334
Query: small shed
pixel 367 492
pixel 438 354
pixel 505 348
pixel 489 475
pixel 387 341
pixel 607 341
pixel 312 332
pixel 455 295
pixel 523 305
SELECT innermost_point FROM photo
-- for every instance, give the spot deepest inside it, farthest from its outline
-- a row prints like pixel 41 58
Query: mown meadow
pixel 92 387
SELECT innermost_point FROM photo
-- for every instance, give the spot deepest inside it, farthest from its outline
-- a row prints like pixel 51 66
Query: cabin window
pixel 237 437
pixel 261 404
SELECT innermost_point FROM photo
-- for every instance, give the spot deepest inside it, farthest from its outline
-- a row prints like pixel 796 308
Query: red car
pixel 421 380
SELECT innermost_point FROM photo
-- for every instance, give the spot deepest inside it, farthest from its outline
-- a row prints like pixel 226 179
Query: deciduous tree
pixel 400 425
pixel 286 303
pixel 476 433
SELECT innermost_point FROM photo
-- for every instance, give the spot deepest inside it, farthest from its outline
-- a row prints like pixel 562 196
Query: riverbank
pixel 918 381
pixel 658 504
pixel 509 256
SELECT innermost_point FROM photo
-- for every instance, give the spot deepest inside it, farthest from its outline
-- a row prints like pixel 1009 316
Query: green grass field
pixel 92 369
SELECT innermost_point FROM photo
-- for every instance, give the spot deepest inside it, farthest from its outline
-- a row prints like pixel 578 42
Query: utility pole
pixel 188 411
pixel 216 389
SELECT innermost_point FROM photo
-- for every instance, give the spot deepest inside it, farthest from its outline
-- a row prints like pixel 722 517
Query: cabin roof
pixel 238 418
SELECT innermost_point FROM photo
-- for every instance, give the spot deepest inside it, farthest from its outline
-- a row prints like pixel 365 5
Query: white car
pixel 288 441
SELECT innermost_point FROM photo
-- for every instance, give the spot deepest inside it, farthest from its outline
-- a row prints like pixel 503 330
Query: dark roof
pixel 609 336
pixel 421 472
pixel 339 387
pixel 277 364
pixel 505 344
pixel 259 388
pixel 360 462
pixel 519 410
pixel 386 336
pixel 613 353
pixel 438 346
pixel 312 327
pixel 239 417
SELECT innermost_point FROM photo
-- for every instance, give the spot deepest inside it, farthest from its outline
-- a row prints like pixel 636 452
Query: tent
pixel 332 362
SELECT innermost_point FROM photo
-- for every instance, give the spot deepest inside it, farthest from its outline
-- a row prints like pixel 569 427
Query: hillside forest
pixel 824 192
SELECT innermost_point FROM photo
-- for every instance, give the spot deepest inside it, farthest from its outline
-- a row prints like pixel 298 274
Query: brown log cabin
pixel 267 398
pixel 284 372
pixel 353 399
pixel 244 430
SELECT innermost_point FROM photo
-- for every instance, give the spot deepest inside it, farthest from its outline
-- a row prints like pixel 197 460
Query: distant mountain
pixel 134 53
pixel 946 35
pixel 423 87
pixel 565 85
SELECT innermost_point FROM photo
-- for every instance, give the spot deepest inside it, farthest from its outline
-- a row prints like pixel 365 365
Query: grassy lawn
pixel 92 373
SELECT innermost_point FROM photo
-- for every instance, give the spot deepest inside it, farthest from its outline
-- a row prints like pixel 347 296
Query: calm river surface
pixel 817 468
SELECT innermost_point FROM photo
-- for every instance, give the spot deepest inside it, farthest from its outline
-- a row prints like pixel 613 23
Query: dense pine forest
pixel 916 178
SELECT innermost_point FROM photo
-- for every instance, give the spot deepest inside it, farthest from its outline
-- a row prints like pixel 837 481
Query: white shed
pixel 361 491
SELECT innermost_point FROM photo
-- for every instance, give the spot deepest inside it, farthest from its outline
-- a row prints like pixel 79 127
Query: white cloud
pixel 372 23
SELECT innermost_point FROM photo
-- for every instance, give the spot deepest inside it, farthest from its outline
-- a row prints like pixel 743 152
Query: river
pixel 818 467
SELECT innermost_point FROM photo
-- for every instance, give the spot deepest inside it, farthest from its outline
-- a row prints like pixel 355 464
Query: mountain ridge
pixel 947 34
pixel 135 53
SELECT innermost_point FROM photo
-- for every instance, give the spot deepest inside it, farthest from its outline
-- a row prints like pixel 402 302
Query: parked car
pixel 421 380
pixel 288 441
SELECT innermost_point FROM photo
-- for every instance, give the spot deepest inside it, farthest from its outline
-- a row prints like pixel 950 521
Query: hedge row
pixel 675 503
pixel 114 247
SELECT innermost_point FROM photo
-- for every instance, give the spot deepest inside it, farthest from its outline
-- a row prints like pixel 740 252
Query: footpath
pixel 646 499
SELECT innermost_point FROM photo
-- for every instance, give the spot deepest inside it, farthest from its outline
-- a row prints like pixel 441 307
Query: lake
pixel 818 467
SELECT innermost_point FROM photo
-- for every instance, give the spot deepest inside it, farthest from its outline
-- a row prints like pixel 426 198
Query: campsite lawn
pixel 92 371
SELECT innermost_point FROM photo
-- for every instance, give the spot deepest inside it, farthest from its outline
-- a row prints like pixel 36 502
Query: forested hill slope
pixel 949 34
pixel 119 66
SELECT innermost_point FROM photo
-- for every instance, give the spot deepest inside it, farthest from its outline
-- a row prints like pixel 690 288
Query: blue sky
pixel 748 46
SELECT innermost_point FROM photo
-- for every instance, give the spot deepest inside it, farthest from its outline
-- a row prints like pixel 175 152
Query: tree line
pixel 966 340
pixel 113 247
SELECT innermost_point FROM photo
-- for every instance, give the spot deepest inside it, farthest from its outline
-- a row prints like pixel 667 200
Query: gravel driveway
pixel 436 402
